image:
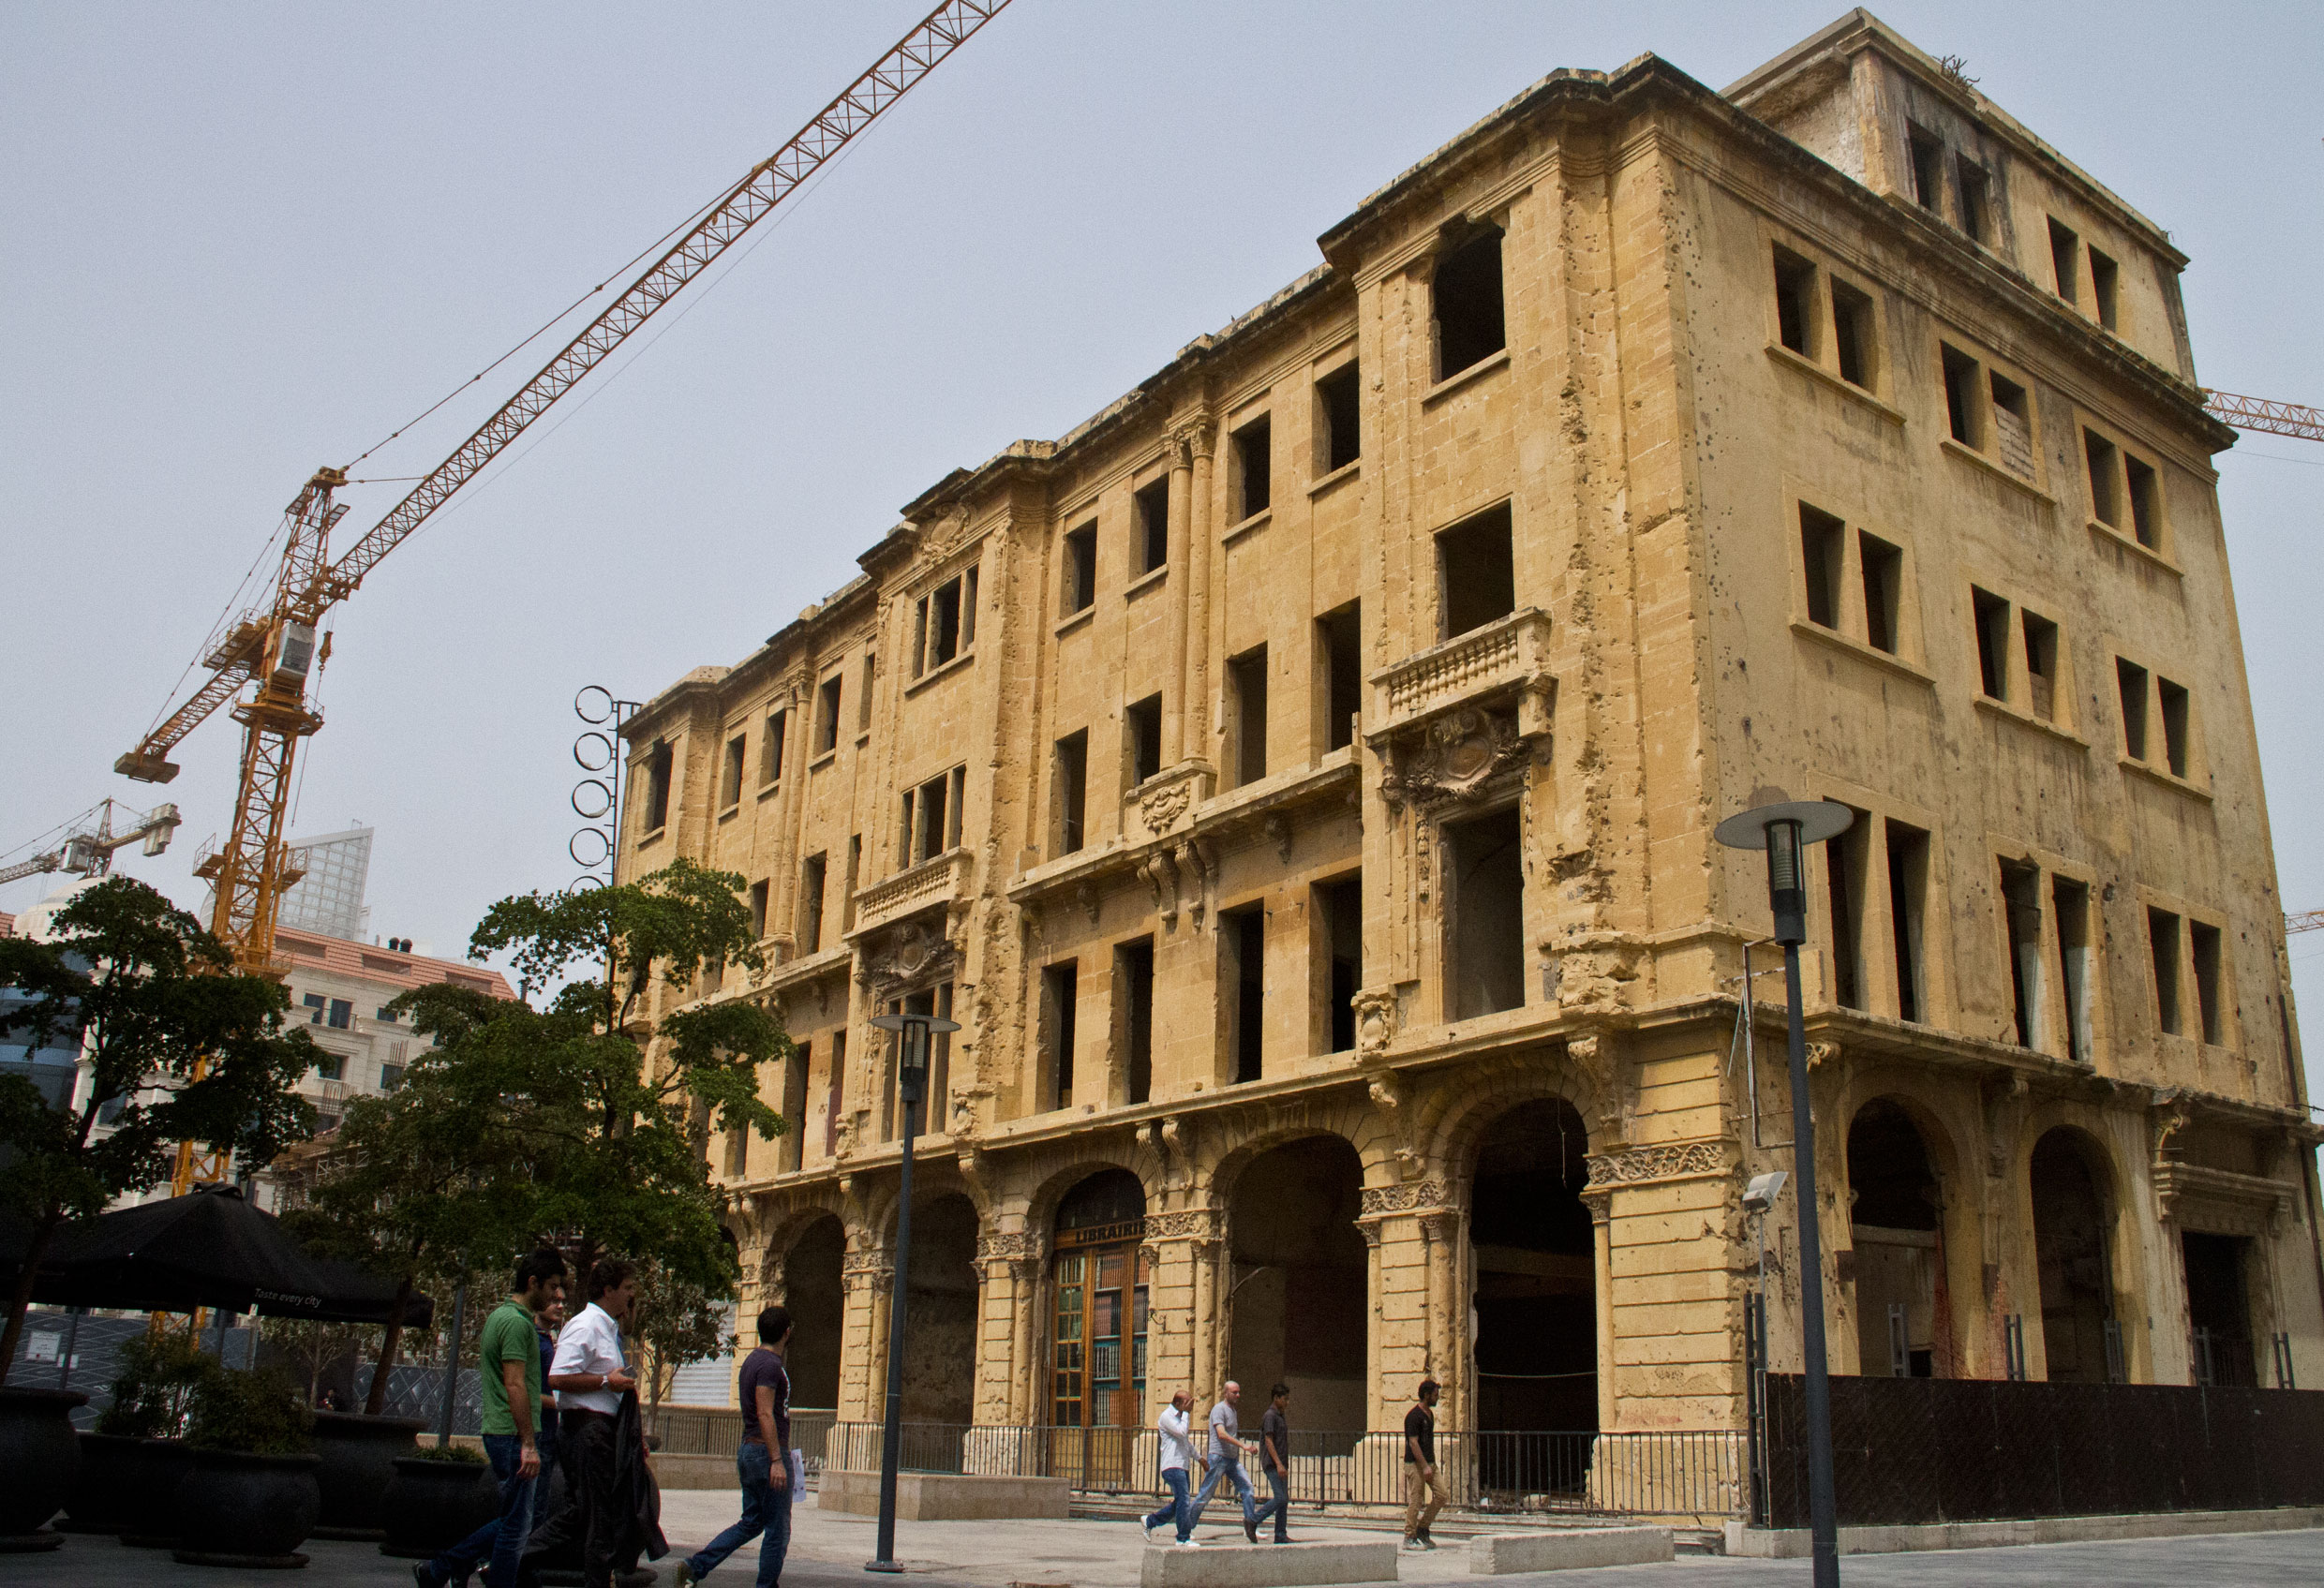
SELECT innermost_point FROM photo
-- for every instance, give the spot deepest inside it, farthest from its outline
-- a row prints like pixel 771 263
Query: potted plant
pixel 250 1496
pixel 132 1461
pixel 437 1497
pixel 358 1455
pixel 37 1458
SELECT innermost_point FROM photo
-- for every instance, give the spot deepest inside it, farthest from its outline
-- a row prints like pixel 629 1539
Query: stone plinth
pixel 945 1497
pixel 1496 1555
pixel 1267 1565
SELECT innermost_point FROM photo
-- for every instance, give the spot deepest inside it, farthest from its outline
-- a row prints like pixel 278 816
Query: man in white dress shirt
pixel 590 1374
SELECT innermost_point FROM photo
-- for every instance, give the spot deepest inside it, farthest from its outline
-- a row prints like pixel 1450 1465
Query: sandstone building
pixel 1298 780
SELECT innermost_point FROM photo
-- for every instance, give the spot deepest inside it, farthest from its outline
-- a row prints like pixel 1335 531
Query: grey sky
pixel 245 240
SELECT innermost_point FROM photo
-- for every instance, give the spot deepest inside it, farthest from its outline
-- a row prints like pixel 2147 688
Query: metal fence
pixel 1929 1451
pixel 414 1390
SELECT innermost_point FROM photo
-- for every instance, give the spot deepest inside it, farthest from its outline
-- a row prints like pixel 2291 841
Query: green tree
pixel 148 995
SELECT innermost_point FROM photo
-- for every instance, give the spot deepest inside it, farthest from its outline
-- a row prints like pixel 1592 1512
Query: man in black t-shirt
pixel 1420 1475
pixel 1275 1460
pixel 762 1462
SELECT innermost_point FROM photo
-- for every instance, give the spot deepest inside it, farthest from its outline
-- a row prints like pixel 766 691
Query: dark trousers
pixel 1279 1506
pixel 766 1510
pixel 586 1447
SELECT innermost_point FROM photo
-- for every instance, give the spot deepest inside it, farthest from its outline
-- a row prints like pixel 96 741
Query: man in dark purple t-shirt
pixel 762 1462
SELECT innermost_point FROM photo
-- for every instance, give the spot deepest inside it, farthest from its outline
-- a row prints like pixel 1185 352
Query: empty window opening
pixel 1843 860
pixel 1977 198
pixel 1254 466
pixel 931 816
pixel 2069 908
pixel 2163 944
pixel 730 775
pixel 1150 538
pixel 1243 944
pixel 2065 255
pixel 2204 944
pixel 2130 680
pixel 790 1146
pixel 1484 909
pixel 809 927
pixel 863 694
pixel 827 715
pixel 944 623
pixel 1080 571
pixel 1132 973
pixel 2021 911
pixel 657 761
pixel 1961 395
pixel 1339 907
pixel 737 1151
pixel 2104 490
pixel 1928 156
pixel 2146 515
pixel 772 747
pixel 2219 1309
pixel 1908 893
pixel 1338 419
pixel 855 875
pixel 1141 740
pixel 1821 552
pixel 758 910
pixel 1072 783
pixel 1341 670
pixel 1467 296
pixel 2012 426
pixel 1894 1201
pixel 1883 591
pixel 1246 683
pixel 831 1100
pixel 2173 699
pixel 2041 666
pixel 2105 278
pixel 1061 997
pixel 1992 620
pixel 1852 335
pixel 1794 301
pixel 1477 573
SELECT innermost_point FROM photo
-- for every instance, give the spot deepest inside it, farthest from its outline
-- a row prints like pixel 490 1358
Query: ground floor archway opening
pixel 2219 1311
pixel 811 1292
pixel 1534 1307
pixel 1898 1238
pixel 1297 1306
pixel 2072 1232
pixel 940 1314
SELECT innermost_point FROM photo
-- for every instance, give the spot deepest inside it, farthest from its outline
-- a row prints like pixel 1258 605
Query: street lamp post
pixel 912 1032
pixel 1784 828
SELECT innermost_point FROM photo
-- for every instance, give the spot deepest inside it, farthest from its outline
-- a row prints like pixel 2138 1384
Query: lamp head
pixel 1784 828
pixel 1761 1194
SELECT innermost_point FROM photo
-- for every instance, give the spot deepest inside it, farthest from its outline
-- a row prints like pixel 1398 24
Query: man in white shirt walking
pixel 1177 1456
pixel 590 1375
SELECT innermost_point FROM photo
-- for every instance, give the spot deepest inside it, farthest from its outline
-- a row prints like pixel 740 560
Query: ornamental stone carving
pixel 1012 1246
pixel 911 952
pixel 1376 1021
pixel 1453 758
pixel 1187 1224
pixel 1683 1160
pixel 1408 1197
pixel 1162 809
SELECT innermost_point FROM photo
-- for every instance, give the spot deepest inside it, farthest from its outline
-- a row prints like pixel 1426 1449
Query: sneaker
pixel 685 1578
pixel 1414 1544
pixel 1145 1531
pixel 1189 1544
pixel 1427 1542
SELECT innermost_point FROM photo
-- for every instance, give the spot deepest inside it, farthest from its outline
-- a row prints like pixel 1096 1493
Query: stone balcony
pixel 941 879
pixel 1508 657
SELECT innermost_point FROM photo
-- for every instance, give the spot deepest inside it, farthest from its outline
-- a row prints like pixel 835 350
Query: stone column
pixel 867 1282
pixel 1009 1370
pixel 1441 1243
pixel 1197 442
pixel 1172 1309
pixel 1411 1288
pixel 1601 1205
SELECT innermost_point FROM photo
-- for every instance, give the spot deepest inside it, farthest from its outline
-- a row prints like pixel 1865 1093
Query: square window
pixel 342 1015
pixel 315 1005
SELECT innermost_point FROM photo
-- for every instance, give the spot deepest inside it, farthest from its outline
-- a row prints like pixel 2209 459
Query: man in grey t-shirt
pixel 1227 1452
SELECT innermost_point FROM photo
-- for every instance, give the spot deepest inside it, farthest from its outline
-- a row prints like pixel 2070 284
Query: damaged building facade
pixel 1298 782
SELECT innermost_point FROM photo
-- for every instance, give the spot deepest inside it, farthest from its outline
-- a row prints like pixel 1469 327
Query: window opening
pixel 2173 698
pixel 810 926
pixel 2012 426
pixel 1151 541
pixel 2203 942
pixel 1254 461
pixel 1477 572
pixel 657 786
pixel 1484 904
pixel 1992 620
pixel 2163 944
pixel 1337 635
pixel 2070 908
pixel 758 910
pixel 1061 993
pixel 2104 505
pixel 737 1151
pixel 2219 1309
pixel 1072 785
pixel 1852 335
pixel 1341 906
pixel 1246 680
pixel 1080 570
pixel 2131 681
pixel 855 875
pixel 827 715
pixel 772 747
pixel 1908 881
pixel 1821 551
pixel 730 775
pixel 1467 298
pixel 2041 666
pixel 1134 974
pixel 1960 394
pixel 1928 156
pixel 2021 910
pixel 1245 946
pixel 1883 591
pixel 1844 859
pixel 342 1015
pixel 2146 518
pixel 1794 301
pixel 2105 277
pixel 1142 738
pixel 1338 411
pixel 790 1146
pixel 2064 252
pixel 863 695
pixel 1977 203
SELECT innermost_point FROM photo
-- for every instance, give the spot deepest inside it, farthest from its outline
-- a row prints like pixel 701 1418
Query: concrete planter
pixel 156 1471
pixel 109 1487
pixel 39 1453
pixel 358 1455
pixel 430 1505
pixel 242 1510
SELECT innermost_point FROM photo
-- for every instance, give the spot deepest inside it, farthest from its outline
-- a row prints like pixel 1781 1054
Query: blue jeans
pixel 502 1537
pixel 765 1509
pixel 1279 1503
pixel 1176 1511
pixel 1225 1467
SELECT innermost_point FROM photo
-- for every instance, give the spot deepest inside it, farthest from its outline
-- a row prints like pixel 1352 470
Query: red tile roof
pixel 315 951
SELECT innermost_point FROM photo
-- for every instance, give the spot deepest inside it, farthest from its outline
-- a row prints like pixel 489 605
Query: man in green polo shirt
pixel 509 1369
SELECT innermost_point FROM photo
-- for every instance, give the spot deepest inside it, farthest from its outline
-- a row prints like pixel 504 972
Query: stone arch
pixel 814 1256
pixel 1100 1277
pixel 1900 1161
pixel 1296 1304
pixel 879 1204
pixel 1219 1164
pixel 2075 1208
pixel 1036 1206
pixel 1531 1272
pixel 1450 1126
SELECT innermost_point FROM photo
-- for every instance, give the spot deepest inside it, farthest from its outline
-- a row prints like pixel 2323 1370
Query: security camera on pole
pixel 1784 828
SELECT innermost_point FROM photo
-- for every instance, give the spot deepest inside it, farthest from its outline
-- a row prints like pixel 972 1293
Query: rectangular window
pixel 2105 480
pixel 1843 859
pixel 386 1014
pixel 758 910
pixel 1247 686
pixel 1242 944
pixel 855 875
pixel 2203 941
pixel 657 761
pixel 1340 675
pixel 1977 198
pixel 1908 885
pixel 2173 699
pixel 2041 666
pixel 1141 740
pixel 1071 789
pixel 790 1145
pixel 863 694
pixel 1476 572
pixel 2105 278
pixel 1132 973
pixel 2130 680
pixel 770 747
pixel 342 1015
pixel 944 622
pixel 1992 621
pixel 2064 256
pixel 1821 551
pixel 1339 419
pixel 330 1067
pixel 1254 466
pixel 931 816
pixel 827 715
pixel 2163 944
pixel 2069 905
pixel 737 1153
pixel 391 1076
pixel 2021 911
pixel 1466 296
pixel 1339 960
pixel 809 927
pixel 1149 538
pixel 1883 591
pixel 2012 427
pixel 1061 997
pixel 730 775
pixel 1079 573
pixel 2146 511
pixel 1928 158
pixel 1794 301
pixel 1960 394
pixel 315 1005
pixel 1853 334
pixel 833 1097
pixel 1484 915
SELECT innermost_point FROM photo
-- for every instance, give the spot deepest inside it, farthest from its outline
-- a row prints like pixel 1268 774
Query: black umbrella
pixel 209 1248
